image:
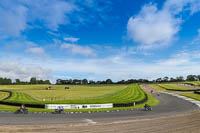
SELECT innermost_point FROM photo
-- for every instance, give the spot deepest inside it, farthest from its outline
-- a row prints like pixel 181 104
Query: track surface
pixel 169 105
pixel 171 115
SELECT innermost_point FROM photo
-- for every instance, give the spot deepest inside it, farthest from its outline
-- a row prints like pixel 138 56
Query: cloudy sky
pixel 95 39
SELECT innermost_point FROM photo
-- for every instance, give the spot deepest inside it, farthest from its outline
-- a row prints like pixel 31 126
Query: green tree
pixel 33 80
pixel 165 79
pixel 180 78
pixel 84 81
pixel 47 82
pixel 18 81
pixel 191 78
pixel 109 81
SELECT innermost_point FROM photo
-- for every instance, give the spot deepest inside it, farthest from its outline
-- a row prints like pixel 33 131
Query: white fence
pixel 78 106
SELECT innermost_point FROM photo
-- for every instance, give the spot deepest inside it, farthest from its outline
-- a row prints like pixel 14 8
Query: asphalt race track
pixel 169 106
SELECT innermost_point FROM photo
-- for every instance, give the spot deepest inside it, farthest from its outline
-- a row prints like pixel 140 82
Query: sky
pixel 97 40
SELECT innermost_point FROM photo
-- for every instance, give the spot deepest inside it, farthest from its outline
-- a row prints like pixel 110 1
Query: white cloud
pixel 115 67
pixel 153 28
pixel 16 69
pixel 78 49
pixel 51 13
pixel 13 18
pixel 17 15
pixel 71 39
pixel 178 6
pixel 36 50
pixel 119 68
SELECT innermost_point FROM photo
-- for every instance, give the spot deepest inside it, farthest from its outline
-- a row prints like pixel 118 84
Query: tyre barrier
pixel 19 104
pixel 197 92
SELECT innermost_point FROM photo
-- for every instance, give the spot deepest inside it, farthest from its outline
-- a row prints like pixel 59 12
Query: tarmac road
pixel 169 106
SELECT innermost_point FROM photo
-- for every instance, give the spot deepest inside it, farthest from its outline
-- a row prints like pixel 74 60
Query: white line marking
pixel 89 121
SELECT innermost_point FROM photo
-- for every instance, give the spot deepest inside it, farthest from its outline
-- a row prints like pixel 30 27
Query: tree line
pixel 130 81
pixel 178 79
pixel 108 81
pixel 33 80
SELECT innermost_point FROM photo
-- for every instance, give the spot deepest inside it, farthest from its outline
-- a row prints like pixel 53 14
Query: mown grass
pixel 126 95
pixel 191 95
pixel 195 83
pixel 157 87
pixel 151 101
pixel 3 95
pixel 58 93
pixel 20 97
pixel 174 87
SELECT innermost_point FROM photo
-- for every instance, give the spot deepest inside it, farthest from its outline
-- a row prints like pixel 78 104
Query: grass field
pixel 157 87
pixel 192 95
pixel 3 95
pixel 77 94
pixel 174 87
pixel 195 83
pixel 95 94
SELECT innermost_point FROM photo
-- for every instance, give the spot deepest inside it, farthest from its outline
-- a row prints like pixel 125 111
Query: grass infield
pixel 173 87
pixel 115 94
pixel 195 83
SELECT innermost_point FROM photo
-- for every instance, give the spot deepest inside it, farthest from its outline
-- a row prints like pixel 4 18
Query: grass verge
pixel 191 95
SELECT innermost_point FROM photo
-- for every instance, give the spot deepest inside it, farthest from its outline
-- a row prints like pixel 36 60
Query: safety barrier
pixel 197 92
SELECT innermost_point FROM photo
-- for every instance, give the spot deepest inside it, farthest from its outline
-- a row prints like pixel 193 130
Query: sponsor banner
pixel 78 106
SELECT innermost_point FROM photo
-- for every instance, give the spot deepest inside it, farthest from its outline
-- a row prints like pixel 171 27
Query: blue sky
pixel 95 39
